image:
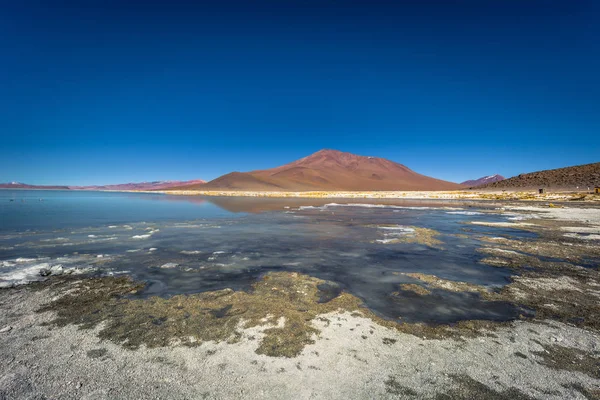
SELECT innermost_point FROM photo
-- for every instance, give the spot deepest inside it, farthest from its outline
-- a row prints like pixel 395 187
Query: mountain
pixel 568 178
pixel 156 185
pixel 329 170
pixel 483 181
pixel 18 185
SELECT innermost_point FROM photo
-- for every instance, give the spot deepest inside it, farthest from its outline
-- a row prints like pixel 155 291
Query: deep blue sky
pixel 96 92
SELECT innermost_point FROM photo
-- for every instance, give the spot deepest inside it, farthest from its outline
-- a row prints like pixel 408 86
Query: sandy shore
pixel 408 195
pixel 350 354
pixel 352 359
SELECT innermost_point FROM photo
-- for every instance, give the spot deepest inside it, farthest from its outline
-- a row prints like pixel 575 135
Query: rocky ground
pixel 294 336
pixel 579 176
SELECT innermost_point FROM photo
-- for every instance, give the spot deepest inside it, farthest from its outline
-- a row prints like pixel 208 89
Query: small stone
pixel 79 385
pixel 6 329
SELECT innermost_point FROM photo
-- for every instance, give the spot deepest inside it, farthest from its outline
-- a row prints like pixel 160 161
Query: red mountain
pixel 329 170
pixel 484 181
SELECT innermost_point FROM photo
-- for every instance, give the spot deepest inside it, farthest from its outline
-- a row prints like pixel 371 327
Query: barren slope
pixel 582 176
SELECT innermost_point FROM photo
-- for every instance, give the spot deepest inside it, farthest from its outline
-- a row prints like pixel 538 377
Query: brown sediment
pixel 592 394
pixel 458 331
pixel 465 387
pixel 569 299
pixel 392 386
pixel 452 286
pixel 521 263
pixel 546 227
pixel 570 359
pixel 560 248
pixel 418 289
pixel 284 302
pixel 550 229
pixel 558 289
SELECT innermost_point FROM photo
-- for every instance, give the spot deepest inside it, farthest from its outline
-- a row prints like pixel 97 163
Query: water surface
pixel 192 244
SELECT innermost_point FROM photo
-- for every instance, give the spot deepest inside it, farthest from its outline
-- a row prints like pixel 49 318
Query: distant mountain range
pixel 156 185
pixel 483 181
pixel 18 185
pixel 329 170
pixel 568 178
pixel 332 170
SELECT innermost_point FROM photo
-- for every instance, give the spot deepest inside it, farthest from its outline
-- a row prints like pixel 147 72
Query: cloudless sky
pixel 97 92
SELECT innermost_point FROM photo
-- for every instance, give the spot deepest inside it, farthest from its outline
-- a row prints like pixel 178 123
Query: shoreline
pixel 351 358
pixel 513 195
pixel 397 195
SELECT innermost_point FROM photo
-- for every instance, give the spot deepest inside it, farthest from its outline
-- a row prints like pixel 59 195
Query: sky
pixel 99 92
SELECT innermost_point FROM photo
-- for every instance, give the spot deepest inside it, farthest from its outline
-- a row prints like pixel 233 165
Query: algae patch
pixel 465 387
pixel 417 289
pixel 556 248
pixel 283 303
pixel 554 286
pixel 439 283
pixel 567 299
pixel 570 359
pixel 394 387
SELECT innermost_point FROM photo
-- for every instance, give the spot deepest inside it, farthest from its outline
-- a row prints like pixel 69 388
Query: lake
pixel 190 244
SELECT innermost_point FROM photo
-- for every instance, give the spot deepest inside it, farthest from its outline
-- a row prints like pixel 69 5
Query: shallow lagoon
pixel 192 244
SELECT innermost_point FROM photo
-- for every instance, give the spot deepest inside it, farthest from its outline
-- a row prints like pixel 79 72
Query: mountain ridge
pixel 483 180
pixel 153 185
pixel 19 185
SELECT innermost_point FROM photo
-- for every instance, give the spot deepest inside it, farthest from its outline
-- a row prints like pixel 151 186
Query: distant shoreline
pixel 408 195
